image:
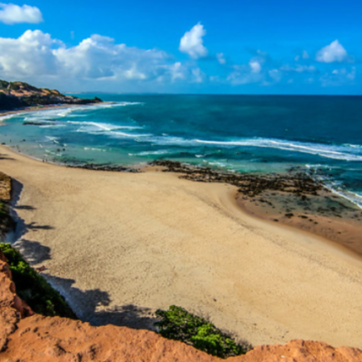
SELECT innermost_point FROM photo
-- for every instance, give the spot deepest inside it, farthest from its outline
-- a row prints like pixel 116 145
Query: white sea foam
pixel 52 139
pixel 118 134
pixel 3 118
pixel 94 149
pixel 72 111
pixel 95 126
pixel 334 187
pixel 150 153
pixel 344 152
pixel 52 126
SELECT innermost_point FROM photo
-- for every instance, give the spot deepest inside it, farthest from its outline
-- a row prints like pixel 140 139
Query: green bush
pixel 176 323
pixel 33 288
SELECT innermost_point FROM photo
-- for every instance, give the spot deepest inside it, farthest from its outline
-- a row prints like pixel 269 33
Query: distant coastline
pixel 19 95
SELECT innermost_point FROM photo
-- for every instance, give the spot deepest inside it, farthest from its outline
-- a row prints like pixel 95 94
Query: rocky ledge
pixel 15 95
pixel 26 336
pixel 103 167
pixel 294 182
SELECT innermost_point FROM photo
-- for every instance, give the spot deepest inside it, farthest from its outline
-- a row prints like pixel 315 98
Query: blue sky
pixel 245 46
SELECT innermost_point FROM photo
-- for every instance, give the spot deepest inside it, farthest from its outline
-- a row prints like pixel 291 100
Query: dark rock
pixel 104 167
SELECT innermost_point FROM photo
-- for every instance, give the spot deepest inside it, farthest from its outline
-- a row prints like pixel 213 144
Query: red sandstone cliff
pixel 26 336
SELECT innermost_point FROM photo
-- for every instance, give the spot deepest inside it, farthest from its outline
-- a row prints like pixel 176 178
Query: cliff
pixel 26 336
pixel 14 95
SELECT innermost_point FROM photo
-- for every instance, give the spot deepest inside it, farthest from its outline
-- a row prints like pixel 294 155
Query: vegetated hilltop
pixel 14 95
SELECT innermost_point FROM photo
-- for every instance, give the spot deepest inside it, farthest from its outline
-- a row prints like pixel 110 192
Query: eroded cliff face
pixel 26 336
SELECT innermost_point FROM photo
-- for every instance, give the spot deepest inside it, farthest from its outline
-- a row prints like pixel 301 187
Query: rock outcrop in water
pixel 14 95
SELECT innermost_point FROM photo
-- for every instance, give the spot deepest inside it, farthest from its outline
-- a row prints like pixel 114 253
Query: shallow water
pixel 242 133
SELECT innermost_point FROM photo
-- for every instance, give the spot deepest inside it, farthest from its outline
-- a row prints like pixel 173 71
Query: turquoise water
pixel 323 135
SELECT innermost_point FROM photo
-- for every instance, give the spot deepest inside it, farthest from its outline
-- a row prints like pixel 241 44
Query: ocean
pixel 322 135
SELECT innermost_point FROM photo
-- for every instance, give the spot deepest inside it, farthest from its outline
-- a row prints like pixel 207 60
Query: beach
pixel 121 245
pixel 34 109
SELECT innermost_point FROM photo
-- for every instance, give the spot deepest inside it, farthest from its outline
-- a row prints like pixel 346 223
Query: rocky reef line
pixel 294 198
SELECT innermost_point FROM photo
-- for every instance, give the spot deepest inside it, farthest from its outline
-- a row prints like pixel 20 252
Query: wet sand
pixel 327 215
pixel 120 245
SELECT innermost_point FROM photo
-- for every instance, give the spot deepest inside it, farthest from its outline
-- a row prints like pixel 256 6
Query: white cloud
pixel 192 42
pixel 298 68
pixel 37 57
pixel 220 58
pixel 12 14
pixel 255 66
pixel 275 74
pixel 338 77
pixel 29 54
pixel 333 52
pixel 304 55
pixel 198 75
pixel 243 74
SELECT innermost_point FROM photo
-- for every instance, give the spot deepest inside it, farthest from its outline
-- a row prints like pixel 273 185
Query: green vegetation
pixel 33 288
pixel 178 324
pixel 3 84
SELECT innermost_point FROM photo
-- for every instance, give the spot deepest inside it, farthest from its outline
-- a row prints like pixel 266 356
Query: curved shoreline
pixel 120 245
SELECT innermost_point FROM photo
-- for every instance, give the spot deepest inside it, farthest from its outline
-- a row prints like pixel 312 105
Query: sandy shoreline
pixel 35 109
pixel 120 245
pixel 43 108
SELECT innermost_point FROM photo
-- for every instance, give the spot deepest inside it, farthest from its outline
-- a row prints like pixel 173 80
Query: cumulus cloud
pixel 298 68
pixel 338 77
pixel 333 52
pixel 245 74
pixel 255 66
pixel 29 54
pixel 192 42
pixel 37 57
pixel 13 14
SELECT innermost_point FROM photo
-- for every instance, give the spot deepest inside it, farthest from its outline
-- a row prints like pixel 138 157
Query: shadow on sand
pixel 92 306
pixel 6 157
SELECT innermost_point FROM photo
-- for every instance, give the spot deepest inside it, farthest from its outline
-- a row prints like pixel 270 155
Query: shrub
pixel 177 323
pixel 33 288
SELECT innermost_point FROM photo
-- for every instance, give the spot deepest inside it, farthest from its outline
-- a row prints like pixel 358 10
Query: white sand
pixel 151 240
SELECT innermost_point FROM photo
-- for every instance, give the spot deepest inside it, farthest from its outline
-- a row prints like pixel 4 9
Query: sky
pixel 199 46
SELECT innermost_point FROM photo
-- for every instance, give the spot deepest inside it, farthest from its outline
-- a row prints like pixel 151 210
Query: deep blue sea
pixel 320 134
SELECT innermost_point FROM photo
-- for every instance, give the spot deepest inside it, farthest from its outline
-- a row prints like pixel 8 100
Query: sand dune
pixel 121 245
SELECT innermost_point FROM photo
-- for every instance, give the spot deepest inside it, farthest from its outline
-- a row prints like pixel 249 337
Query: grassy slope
pixel 33 288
